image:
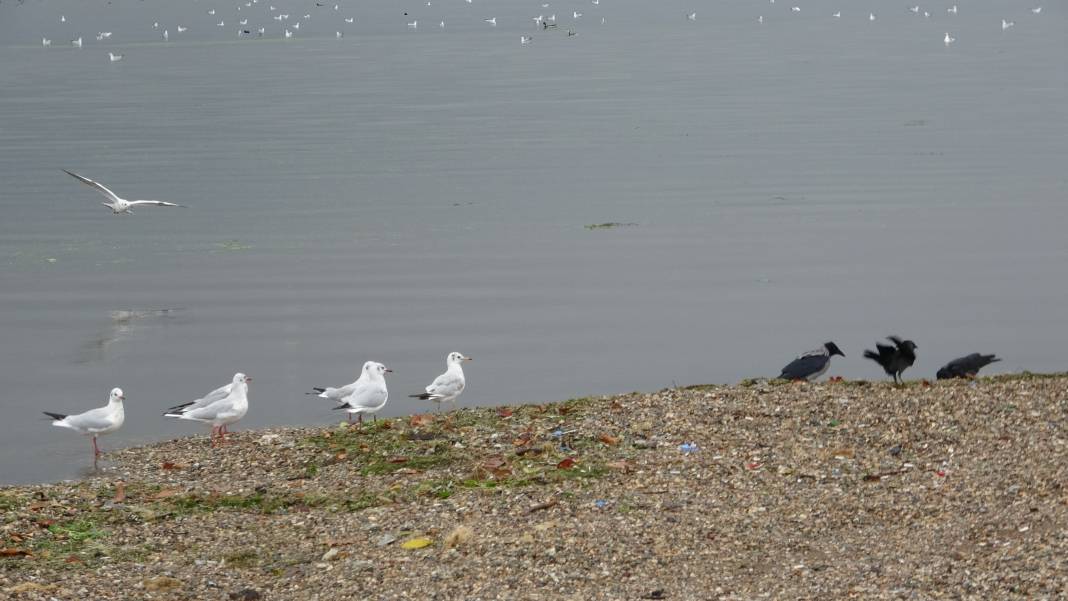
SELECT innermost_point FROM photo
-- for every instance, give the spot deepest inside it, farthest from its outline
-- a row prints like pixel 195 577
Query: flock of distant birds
pixel 541 21
pixel 368 394
pixel 228 404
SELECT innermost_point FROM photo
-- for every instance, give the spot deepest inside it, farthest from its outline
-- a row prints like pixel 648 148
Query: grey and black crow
pixel 966 367
pixel 812 364
pixel 894 359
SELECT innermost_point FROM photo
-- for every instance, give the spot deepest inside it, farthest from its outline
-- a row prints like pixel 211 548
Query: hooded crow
pixel 812 364
pixel 966 367
pixel 894 359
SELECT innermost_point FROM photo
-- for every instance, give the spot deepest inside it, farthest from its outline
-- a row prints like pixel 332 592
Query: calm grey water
pixel 399 194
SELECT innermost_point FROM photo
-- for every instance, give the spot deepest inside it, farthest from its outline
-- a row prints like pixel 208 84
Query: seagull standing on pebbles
pixel 95 422
pixel 220 413
pixel 368 394
pixel 118 205
pixel 448 386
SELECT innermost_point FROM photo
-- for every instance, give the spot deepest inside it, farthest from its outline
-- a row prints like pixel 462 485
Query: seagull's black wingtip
pixel 55 416
pixel 425 396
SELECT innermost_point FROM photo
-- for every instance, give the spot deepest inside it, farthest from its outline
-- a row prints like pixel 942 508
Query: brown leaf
pixel 504 412
pixel 844 452
pixel 398 459
pixel 608 439
pixel 494 462
pixel 120 492
pixel 10 552
pixel 164 493
pixel 73 559
pixel 170 465
pixel 566 464
pixel 420 420
pixel 622 465
pixel 45 522
pixel 563 409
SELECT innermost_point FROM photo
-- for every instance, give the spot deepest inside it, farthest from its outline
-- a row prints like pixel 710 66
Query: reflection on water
pixel 123 324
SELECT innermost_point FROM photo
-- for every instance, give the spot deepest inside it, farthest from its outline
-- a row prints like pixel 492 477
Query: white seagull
pixel 492 21
pixel 76 43
pixel 871 16
pixel 115 57
pixel 182 29
pixel 691 17
pixel 95 422
pixel 414 24
pixel 367 394
pixel 221 412
pixel 837 15
pixel 952 9
pixel 914 9
pixel 118 205
pixel 349 19
pixel 525 39
pixel 46 42
pixel 1036 10
pixel 575 14
pixel 448 385
pixel 1006 24
pixel 166 35
pixel 949 39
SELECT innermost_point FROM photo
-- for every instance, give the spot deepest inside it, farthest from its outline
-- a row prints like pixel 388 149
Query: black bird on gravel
pixel 966 367
pixel 812 364
pixel 894 359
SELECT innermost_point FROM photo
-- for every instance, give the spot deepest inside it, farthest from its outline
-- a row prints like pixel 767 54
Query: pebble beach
pixel 760 490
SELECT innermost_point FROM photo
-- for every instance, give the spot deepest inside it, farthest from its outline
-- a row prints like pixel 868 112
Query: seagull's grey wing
pixel 158 203
pixel 367 395
pixel 99 187
pixel 93 420
pixel 445 385
pixel 804 366
pixel 210 412
pixel 218 394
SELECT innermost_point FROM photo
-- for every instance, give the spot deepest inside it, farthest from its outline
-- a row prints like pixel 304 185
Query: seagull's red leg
pixel 96 449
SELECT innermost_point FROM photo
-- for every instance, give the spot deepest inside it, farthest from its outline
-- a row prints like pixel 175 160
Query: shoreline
pixel 826 490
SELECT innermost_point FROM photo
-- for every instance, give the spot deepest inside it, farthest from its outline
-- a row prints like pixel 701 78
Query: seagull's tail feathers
pixel 177 409
pixel 177 414
pixel 426 396
pixel 316 391
pixel 58 417
pixel 343 406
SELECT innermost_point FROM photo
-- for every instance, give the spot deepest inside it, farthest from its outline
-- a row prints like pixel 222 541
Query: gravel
pixel 762 490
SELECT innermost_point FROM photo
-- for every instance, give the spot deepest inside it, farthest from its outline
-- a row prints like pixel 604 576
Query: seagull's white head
pixel 374 368
pixel 116 396
pixel 240 378
pixel 455 358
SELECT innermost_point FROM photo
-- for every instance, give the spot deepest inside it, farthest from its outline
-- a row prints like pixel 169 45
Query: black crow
pixel 894 359
pixel 966 367
pixel 811 365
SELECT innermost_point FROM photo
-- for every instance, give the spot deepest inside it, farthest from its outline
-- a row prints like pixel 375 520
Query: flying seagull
pixel 368 393
pixel 448 385
pixel 966 367
pixel 118 205
pixel 812 364
pixel 894 359
pixel 95 422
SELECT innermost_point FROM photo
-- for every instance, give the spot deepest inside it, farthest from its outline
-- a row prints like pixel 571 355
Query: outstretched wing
pixel 157 203
pixel 99 187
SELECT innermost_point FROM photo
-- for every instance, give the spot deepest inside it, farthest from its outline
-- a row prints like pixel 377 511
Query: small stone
pixel 247 594
pixel 386 539
pixel 330 554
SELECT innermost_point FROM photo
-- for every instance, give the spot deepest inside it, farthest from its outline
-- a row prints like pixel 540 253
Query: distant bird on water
pixel 95 422
pixel 118 205
pixel 894 359
pixel 966 367
pixel 812 364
